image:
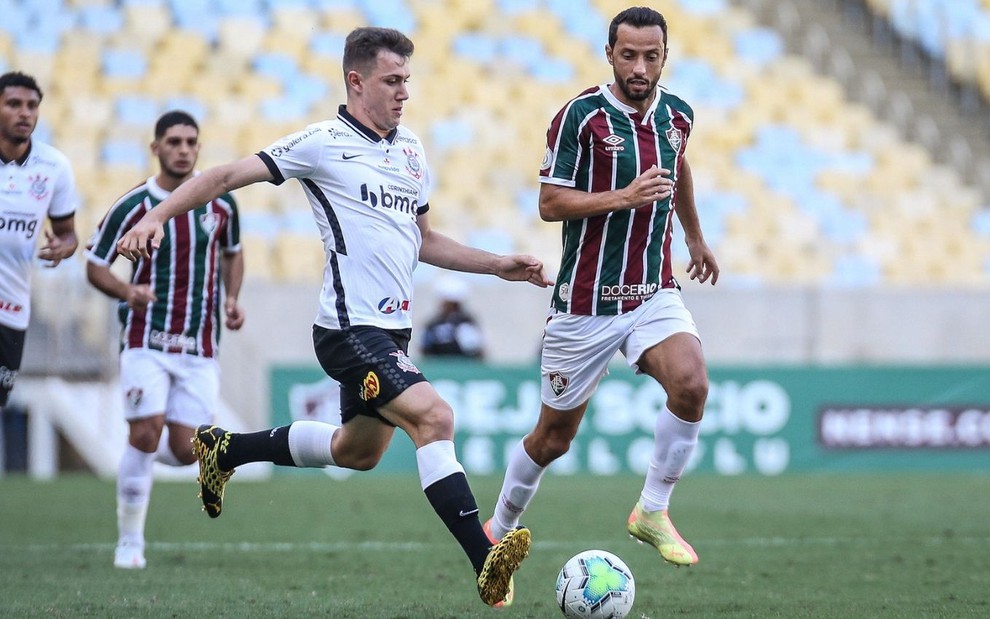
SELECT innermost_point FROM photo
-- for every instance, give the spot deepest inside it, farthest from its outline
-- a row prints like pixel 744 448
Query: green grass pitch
pixel 370 546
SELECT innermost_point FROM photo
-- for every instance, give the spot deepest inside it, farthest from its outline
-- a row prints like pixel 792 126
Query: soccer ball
pixel 595 584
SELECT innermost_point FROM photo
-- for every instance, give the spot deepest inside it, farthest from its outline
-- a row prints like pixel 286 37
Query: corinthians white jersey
pixel 34 187
pixel 366 193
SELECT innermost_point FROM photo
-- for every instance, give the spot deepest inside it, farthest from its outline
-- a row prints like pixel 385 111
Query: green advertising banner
pixel 759 420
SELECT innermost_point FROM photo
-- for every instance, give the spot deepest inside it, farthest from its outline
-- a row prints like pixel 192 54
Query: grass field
pixel 794 546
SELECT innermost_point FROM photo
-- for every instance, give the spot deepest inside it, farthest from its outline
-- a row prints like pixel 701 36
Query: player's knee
pixel 183 452
pixel 364 461
pixel 689 397
pixel 144 439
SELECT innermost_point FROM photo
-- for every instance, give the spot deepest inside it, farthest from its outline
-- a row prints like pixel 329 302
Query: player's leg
pixel 575 357
pixel 11 353
pixel 428 420
pixel 677 363
pixel 144 382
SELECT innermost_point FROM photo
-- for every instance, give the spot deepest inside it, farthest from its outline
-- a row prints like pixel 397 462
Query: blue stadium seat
pixel 124 63
pixel 759 46
pixel 124 152
pixel 136 110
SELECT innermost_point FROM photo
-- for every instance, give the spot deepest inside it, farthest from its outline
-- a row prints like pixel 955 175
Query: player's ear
pixel 354 80
pixel 608 53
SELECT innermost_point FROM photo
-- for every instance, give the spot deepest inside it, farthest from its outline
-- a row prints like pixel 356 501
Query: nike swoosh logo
pixel 345 156
pixel 464 513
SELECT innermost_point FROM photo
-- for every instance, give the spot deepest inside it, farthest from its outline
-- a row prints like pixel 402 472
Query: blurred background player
pixel 453 331
pixel 170 315
pixel 615 161
pixel 368 183
pixel 37 183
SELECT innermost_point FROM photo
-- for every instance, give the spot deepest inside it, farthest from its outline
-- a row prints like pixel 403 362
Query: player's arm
pixel 196 191
pixel 442 251
pixel 703 265
pixel 102 278
pixel 560 203
pixel 61 242
pixel 232 274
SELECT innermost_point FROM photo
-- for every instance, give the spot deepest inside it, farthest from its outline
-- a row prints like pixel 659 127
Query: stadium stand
pixel 796 183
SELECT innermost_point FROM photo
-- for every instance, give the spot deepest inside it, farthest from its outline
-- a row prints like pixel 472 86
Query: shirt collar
pixel 20 160
pixel 364 130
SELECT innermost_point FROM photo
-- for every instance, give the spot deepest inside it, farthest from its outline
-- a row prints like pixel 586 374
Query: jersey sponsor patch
pixel 371 387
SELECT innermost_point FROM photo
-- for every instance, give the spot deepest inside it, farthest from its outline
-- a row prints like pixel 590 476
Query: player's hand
pixel 651 186
pixel 139 296
pixel 142 239
pixel 702 265
pixel 53 251
pixel 234 314
pixel 522 268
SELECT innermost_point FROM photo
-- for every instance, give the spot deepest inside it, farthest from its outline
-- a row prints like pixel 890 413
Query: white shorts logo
pixel 558 383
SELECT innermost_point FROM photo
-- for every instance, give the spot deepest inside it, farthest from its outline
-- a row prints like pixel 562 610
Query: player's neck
pixel 12 151
pixel 170 182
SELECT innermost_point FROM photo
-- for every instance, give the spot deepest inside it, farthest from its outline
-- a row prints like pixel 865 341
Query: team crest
pixel 370 388
pixel 134 396
pixel 39 186
pixel 675 137
pixel 209 222
pixel 547 159
pixel 413 165
pixel 404 362
pixel 558 383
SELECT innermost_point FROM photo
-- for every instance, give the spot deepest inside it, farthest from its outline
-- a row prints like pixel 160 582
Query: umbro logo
pixel 345 156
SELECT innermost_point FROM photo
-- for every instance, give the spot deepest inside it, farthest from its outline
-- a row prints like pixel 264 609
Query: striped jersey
pixel 38 185
pixel 184 271
pixel 612 263
pixel 366 193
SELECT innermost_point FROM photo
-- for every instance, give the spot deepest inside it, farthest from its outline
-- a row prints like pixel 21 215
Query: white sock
pixel 134 478
pixel 164 453
pixel 673 442
pixel 309 443
pixel 436 461
pixel 522 479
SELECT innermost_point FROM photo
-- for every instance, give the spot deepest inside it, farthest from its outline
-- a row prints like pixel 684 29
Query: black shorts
pixel 370 364
pixel 11 353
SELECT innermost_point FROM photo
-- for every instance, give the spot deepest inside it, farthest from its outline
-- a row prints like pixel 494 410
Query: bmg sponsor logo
pixel 18 225
pixel 393 197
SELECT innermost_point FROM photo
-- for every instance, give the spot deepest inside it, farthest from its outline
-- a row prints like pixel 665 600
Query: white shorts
pixel 186 388
pixel 577 349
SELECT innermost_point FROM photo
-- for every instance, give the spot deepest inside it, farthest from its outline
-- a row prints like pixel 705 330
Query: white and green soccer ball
pixel 595 584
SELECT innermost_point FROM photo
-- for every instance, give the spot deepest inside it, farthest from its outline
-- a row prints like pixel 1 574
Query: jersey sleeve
pixel 65 198
pixel 102 245
pixel 296 155
pixel 230 240
pixel 560 162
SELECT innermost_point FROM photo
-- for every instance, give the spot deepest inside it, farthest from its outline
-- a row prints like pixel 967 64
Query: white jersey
pixel 36 186
pixel 366 192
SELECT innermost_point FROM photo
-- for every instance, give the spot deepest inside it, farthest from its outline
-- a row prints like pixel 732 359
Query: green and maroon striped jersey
pixel 184 271
pixel 612 263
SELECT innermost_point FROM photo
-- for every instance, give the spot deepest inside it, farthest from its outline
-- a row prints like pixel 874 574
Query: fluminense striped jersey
pixel 184 271
pixel 366 193
pixel 612 263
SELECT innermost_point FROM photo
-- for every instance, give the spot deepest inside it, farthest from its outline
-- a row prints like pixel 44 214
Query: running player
pixel 170 322
pixel 37 184
pixel 368 183
pixel 615 173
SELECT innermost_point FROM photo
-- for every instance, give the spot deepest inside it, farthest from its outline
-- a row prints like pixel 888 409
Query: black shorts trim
pixel 370 363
